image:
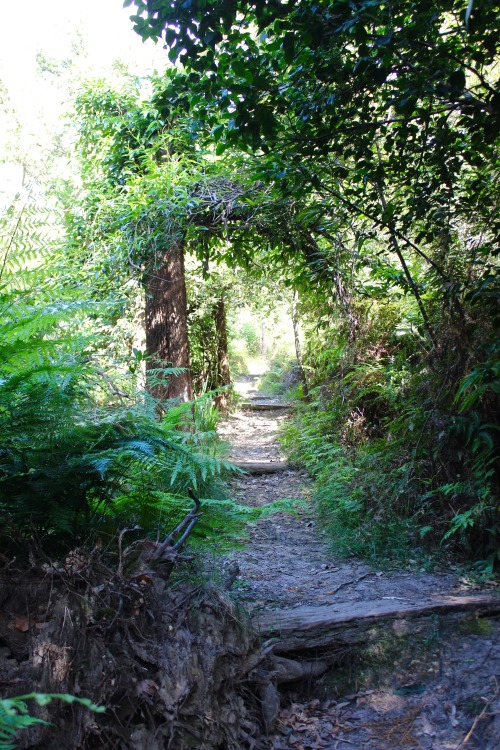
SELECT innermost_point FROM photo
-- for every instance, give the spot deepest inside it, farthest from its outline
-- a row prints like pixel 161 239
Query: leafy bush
pixel 15 716
pixel 404 452
pixel 65 459
pixel 82 451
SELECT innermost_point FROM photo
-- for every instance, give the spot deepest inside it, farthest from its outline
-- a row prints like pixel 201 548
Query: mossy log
pixel 349 624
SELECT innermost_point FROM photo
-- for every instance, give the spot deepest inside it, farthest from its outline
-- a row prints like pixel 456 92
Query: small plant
pixel 474 625
pixel 83 451
pixel 15 716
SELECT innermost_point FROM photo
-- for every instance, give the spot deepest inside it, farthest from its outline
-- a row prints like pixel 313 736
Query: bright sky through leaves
pixel 92 35
pixel 52 27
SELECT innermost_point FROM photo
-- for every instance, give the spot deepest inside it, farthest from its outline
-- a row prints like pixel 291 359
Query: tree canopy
pixel 375 127
pixel 386 115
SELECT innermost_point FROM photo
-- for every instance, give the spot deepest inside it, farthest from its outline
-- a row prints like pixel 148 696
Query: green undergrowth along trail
pixel 76 462
pixel 402 447
pixel 84 451
pixel 74 468
pixel 355 496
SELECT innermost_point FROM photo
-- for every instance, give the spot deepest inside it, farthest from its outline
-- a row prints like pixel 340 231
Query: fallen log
pixel 346 624
pixel 261 467
pixel 265 406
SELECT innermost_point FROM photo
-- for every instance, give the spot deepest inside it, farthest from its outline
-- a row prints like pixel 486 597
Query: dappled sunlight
pixel 249 381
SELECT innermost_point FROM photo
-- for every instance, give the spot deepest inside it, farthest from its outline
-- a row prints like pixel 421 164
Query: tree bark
pixel 409 278
pixel 223 371
pixel 349 623
pixel 167 342
pixel 257 468
pixel 298 347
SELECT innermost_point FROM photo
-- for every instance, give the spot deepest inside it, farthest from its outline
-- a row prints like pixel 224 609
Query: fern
pixel 15 716
pixel 72 459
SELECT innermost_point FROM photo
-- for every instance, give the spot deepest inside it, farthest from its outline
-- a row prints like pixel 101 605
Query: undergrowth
pixel 403 444
pixel 15 716
pixel 85 453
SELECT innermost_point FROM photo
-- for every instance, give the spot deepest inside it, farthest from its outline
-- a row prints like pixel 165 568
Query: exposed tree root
pixel 176 667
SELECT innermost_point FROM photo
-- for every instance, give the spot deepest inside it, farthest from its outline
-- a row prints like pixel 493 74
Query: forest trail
pixel 431 695
pixel 288 563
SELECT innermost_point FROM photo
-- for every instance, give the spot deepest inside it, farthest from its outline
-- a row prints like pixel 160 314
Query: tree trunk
pixel 346 624
pixel 298 348
pixel 167 341
pixel 223 372
pixel 409 278
pixel 263 341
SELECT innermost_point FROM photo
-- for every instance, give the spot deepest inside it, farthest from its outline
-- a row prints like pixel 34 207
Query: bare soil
pixel 431 687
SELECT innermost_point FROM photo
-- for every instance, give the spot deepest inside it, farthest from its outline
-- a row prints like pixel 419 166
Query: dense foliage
pixel 347 150
pixel 82 450
pixel 375 128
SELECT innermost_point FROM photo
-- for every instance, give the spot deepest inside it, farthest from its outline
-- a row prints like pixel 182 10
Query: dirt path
pixel 436 687
pixel 289 563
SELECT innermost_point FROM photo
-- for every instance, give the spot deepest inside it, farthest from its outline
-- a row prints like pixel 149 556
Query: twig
pixel 186 598
pixel 120 555
pixel 348 583
pixel 186 526
pixel 183 538
pixel 344 740
pixel 117 614
pixel 9 563
pixel 479 717
pixel 112 387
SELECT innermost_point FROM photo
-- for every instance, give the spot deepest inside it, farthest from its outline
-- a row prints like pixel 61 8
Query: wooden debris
pixel 349 624
pixel 261 467
pixel 290 670
pixel 265 406
pixel 270 704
